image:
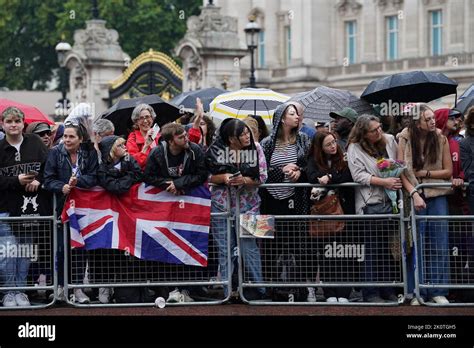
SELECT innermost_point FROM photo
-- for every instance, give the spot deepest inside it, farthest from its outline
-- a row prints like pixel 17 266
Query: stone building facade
pixel 348 43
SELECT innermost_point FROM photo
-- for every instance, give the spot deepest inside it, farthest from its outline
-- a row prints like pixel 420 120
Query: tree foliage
pixel 30 30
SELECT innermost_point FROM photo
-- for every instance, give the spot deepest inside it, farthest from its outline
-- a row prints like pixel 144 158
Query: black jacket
pixel 194 169
pixel 32 156
pixel 275 174
pixel 346 194
pixel 117 181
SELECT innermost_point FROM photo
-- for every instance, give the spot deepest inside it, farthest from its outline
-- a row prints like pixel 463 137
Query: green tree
pixel 30 30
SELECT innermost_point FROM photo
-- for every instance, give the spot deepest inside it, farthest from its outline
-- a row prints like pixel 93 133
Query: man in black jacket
pixel 176 164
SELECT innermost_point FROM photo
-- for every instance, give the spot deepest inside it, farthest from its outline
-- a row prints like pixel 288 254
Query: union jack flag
pixel 148 222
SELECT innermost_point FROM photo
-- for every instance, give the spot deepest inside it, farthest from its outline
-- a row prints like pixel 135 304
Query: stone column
pixel 95 59
pixel 211 51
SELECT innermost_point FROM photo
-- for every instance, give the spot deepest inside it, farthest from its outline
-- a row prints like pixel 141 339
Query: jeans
pixel 433 248
pixel 248 247
pixel 13 270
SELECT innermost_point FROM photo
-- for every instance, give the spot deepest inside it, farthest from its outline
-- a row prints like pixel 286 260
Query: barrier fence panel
pixel 444 255
pixel 27 251
pixel 299 268
pixel 130 281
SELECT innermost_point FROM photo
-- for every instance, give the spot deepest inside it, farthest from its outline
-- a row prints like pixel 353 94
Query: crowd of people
pixel 49 160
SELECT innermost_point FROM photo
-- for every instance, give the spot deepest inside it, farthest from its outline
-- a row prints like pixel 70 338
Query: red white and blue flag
pixel 148 222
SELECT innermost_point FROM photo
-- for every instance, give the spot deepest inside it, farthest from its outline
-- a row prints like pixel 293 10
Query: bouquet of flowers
pixel 390 168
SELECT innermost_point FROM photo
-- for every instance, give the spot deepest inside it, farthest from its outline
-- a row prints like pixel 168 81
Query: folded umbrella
pixel 321 101
pixel 121 112
pixel 32 114
pixel 247 101
pixel 412 86
pixel 187 100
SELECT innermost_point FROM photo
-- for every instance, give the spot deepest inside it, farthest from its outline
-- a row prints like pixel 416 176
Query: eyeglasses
pixel 43 133
pixel 144 118
pixel 244 134
pixel 373 131
pixel 123 146
pixel 71 124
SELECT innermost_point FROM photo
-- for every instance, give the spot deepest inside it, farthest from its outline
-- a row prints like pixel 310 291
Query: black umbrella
pixel 187 100
pixel 121 112
pixel 322 100
pixel 413 86
pixel 466 100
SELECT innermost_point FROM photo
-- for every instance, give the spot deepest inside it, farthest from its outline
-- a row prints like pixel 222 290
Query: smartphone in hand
pixel 156 131
pixel 33 173
pixel 235 175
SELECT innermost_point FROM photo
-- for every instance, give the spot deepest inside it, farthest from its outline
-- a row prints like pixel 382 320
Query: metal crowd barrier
pixel 113 269
pixel 444 253
pixel 295 260
pixel 28 250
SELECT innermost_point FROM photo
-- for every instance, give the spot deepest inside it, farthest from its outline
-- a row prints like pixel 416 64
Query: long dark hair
pixel 321 158
pixel 432 147
pixel 234 128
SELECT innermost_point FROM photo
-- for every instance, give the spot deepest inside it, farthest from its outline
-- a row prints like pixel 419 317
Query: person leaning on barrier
pixel 176 165
pixel 21 173
pixel 367 143
pixel 286 151
pixel 326 166
pixel 426 152
pixel 242 169
pixel 71 164
pixel 117 173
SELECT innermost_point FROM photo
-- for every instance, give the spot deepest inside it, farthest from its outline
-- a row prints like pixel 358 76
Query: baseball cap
pixel 41 127
pixel 455 113
pixel 347 113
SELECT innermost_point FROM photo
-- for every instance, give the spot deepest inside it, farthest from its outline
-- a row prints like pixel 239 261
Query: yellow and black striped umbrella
pixel 245 102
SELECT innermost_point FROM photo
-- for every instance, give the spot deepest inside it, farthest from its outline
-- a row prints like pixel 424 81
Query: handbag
pixel 377 208
pixel 329 205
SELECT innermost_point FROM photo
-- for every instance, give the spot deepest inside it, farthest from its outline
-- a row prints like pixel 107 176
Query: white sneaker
pixel 9 300
pixel 342 300
pixel 185 296
pixel 80 297
pixel 174 296
pixel 104 295
pixel 311 295
pixel 61 297
pixel 440 300
pixel 414 302
pixel 22 300
pixel 331 299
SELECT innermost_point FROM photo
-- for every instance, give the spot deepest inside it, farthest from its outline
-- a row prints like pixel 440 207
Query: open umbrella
pixel 319 102
pixel 412 86
pixel 121 112
pixel 187 100
pixel 247 101
pixel 32 114
pixel 466 100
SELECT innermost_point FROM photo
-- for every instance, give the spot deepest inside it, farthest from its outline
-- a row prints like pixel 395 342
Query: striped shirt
pixel 281 156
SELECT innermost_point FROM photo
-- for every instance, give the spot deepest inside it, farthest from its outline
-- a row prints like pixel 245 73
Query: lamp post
pixel 62 49
pixel 251 37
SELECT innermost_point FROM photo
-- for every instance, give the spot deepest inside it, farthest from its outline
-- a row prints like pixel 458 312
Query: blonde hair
pixel 116 144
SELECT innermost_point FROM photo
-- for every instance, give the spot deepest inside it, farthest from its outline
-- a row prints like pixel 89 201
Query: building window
pixel 288 43
pixel 351 41
pixel 392 38
pixel 436 32
pixel 261 49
